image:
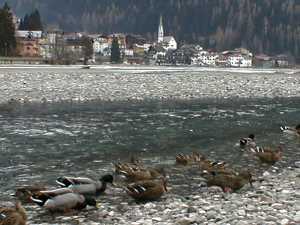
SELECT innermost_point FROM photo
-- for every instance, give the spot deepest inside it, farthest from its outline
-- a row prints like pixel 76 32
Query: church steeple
pixel 160 30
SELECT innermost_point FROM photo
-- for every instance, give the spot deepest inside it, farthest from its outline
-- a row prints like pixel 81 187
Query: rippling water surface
pixel 85 139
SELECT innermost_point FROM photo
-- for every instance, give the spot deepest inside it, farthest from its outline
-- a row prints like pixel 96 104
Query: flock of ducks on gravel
pixel 144 184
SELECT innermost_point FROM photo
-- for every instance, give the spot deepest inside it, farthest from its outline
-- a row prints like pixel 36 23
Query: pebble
pixel 241 212
pixel 284 221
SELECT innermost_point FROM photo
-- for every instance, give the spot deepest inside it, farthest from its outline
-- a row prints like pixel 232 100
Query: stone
pixel 211 215
pixel 184 221
pixel 271 218
pixel 284 221
pixel 266 174
pixel 251 208
pixel 241 212
pixel 297 218
pixel 277 206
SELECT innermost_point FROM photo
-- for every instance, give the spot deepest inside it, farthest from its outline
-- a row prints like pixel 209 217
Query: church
pixel 167 42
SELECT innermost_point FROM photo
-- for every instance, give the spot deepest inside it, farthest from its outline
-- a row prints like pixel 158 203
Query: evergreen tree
pixel 115 56
pixel 34 22
pixel 88 49
pixel 31 22
pixel 7 32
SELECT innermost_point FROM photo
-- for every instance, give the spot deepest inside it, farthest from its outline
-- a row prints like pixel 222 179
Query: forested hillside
pixel 270 26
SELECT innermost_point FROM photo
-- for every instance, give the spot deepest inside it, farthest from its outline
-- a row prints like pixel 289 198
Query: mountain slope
pixel 270 26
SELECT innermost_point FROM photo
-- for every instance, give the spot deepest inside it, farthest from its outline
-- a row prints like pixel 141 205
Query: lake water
pixel 40 143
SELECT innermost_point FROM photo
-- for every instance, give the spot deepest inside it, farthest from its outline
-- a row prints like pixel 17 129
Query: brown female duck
pixel 134 164
pixel 208 165
pixel 134 174
pixel 229 181
pixel 267 154
pixel 13 216
pixel 291 130
pixel 24 193
pixel 189 159
pixel 147 190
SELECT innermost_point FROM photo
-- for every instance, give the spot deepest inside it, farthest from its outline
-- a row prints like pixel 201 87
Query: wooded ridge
pixel 263 26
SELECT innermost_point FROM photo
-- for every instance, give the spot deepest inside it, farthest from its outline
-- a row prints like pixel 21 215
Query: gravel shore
pixel 274 200
pixel 152 83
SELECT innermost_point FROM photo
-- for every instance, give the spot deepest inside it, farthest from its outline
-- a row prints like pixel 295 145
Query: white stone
pixel 284 221
pixel 241 212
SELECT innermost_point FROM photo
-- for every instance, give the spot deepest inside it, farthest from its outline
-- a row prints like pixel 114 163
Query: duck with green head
pixel 84 185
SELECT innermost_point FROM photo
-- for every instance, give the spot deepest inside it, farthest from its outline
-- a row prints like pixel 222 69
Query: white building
pixel 129 52
pixel 204 58
pixel 169 43
pixel 28 33
pixel 239 60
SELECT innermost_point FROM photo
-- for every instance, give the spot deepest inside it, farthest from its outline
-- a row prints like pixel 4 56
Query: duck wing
pixel 64 202
pixel 85 189
pixel 67 181
pixel 53 193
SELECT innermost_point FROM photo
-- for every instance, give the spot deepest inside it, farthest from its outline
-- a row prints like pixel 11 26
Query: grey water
pixel 38 143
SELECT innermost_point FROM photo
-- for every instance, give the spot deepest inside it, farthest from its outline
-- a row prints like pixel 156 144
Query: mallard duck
pixel 133 164
pixel 24 193
pixel 189 159
pixel 13 216
pixel 121 167
pixel 267 154
pixel 208 165
pixel 134 174
pixel 147 190
pixel 53 193
pixel 64 202
pixel 229 181
pixel 248 141
pixel 84 185
pixel 291 130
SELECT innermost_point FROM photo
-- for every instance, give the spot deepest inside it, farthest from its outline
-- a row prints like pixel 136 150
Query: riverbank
pixel 275 200
pixel 135 83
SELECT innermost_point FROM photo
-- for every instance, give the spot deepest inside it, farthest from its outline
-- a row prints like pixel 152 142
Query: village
pixel 58 47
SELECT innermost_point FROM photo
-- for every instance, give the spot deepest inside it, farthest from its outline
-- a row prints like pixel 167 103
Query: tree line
pixel 8 27
pixel 31 22
pixel 263 26
pixel 7 32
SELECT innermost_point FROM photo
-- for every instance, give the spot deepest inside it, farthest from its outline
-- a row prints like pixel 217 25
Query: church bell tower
pixel 160 31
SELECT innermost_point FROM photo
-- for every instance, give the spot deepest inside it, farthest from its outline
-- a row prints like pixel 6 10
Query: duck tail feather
pixel 37 201
pixel 60 183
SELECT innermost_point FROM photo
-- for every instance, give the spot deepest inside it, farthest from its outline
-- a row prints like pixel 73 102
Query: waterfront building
pixel 167 42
